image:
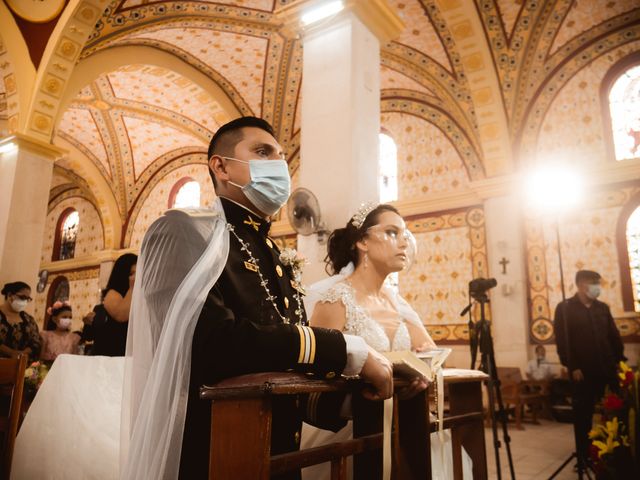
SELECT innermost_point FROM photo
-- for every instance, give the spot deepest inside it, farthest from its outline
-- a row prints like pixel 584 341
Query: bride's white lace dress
pixel 360 322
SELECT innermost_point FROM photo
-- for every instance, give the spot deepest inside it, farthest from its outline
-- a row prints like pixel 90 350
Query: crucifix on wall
pixel 504 262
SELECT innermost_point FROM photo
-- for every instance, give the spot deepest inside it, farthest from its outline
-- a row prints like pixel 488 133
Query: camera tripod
pixel 480 336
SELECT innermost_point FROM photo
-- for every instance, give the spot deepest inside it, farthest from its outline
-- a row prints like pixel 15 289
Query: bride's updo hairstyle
pixel 341 247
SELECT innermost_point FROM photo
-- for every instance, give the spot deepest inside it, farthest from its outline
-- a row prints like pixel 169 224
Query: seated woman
pixel 59 339
pixel 18 331
pixel 358 300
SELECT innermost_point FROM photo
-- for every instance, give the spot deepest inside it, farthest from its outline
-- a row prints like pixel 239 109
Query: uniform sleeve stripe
pixel 302 344
pixel 312 355
pixel 307 344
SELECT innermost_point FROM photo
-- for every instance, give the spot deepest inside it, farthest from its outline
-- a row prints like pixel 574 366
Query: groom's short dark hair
pixel 226 138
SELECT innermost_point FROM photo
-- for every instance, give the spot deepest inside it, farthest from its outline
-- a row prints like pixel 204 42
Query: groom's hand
pixel 378 372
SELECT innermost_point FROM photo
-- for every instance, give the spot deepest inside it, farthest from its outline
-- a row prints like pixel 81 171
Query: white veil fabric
pixel 182 256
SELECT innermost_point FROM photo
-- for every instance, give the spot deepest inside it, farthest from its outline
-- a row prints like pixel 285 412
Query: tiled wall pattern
pixel 451 252
pixel 84 293
pixel 427 162
pixel 90 236
pixel 158 200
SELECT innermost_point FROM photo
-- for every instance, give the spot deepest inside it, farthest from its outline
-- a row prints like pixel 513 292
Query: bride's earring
pixel 366 260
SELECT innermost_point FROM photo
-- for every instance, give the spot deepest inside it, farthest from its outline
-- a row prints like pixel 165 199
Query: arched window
pixel 633 250
pixel 624 107
pixel 185 193
pixel 64 245
pixel 388 169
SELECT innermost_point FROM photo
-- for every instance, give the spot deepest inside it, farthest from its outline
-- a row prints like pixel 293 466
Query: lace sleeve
pixel 343 292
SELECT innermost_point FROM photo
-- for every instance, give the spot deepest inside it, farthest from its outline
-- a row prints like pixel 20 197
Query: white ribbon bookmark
pixel 386 438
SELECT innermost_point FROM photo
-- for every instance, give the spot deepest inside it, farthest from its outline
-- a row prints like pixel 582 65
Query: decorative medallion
pixel 36 11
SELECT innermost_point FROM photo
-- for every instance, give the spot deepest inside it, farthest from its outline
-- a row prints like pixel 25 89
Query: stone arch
pixel 57 65
pixel 110 59
pixel 106 202
pixel 16 71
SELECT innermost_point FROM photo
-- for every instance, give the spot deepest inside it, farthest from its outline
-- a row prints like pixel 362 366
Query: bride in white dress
pixel 358 300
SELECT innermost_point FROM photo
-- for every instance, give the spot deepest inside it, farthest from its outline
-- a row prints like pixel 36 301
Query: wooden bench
pixel 518 394
pixel 11 388
pixel 245 452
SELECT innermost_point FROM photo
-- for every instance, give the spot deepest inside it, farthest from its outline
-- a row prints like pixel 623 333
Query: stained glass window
pixel 624 104
pixel 188 195
pixel 388 169
pixel 68 235
pixel 633 247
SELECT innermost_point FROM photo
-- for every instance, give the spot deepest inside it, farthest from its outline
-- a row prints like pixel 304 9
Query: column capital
pixel 500 186
pixel 33 145
pixel 377 15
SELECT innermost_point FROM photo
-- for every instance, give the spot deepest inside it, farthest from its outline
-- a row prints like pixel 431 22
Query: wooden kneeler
pixel 241 431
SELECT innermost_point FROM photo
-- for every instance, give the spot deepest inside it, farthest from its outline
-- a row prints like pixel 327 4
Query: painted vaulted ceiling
pixel 143 118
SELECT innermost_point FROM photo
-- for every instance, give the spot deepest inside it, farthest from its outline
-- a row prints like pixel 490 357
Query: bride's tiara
pixel 361 215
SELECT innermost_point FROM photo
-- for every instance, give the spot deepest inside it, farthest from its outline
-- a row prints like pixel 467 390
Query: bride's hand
pixel 418 385
pixel 378 372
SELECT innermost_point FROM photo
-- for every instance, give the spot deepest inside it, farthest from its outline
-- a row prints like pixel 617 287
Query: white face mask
pixel 593 291
pixel 19 305
pixel 270 184
pixel 64 323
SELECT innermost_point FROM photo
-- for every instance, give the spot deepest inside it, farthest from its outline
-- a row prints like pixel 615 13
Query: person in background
pixel 59 339
pixel 538 368
pixel 107 324
pixel 18 330
pixel 589 345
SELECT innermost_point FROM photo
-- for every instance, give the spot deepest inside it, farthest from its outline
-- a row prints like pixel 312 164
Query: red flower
pixel 628 379
pixel 613 402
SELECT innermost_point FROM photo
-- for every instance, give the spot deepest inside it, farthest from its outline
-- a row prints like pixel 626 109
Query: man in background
pixel 538 368
pixel 589 345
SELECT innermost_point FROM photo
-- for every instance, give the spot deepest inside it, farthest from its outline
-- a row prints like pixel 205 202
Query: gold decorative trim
pixel 87 261
pixel 377 15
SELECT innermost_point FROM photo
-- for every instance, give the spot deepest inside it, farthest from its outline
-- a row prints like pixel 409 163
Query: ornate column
pixel 26 166
pixel 340 111
pixel 507 263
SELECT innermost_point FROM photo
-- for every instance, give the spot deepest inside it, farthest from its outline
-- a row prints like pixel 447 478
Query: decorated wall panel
pixel 90 239
pixel 158 200
pixel 573 130
pixel 587 241
pixel 451 252
pixel 84 293
pixel 427 161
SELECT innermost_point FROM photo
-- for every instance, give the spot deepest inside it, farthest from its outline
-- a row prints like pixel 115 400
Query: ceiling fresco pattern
pixel 133 122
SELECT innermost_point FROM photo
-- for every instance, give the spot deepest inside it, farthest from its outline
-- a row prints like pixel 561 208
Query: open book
pixel 415 364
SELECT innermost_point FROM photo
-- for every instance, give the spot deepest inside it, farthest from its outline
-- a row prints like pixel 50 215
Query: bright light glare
pixel 322 12
pixel 7 147
pixel 553 189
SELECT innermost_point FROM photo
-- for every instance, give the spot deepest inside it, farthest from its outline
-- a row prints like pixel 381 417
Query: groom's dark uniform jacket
pixel 240 332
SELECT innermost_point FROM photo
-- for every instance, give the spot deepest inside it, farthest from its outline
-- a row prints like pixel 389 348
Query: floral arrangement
pixel 290 258
pixel 56 305
pixel 33 377
pixel 615 451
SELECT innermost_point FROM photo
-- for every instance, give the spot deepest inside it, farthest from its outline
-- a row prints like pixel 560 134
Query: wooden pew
pixel 241 429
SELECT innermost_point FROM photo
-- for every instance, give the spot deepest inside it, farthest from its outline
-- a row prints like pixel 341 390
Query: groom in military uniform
pixel 253 319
